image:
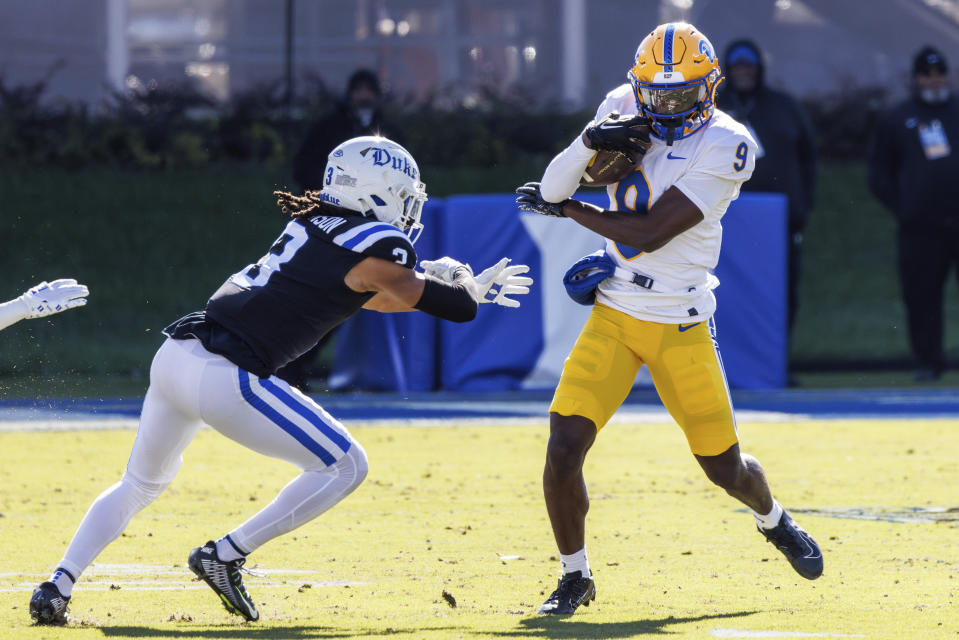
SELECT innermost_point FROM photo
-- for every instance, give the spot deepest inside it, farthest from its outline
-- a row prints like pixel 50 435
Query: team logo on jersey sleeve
pixel 632 194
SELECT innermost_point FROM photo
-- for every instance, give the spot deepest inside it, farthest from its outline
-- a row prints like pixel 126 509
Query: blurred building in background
pixel 569 52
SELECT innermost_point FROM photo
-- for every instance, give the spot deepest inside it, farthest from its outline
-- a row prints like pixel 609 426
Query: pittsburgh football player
pixel 651 289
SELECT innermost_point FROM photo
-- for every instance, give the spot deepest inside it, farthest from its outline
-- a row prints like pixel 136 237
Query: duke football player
pixel 348 246
pixel 45 299
pixel 652 291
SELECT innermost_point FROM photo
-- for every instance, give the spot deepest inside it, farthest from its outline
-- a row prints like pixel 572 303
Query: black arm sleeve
pixel 447 301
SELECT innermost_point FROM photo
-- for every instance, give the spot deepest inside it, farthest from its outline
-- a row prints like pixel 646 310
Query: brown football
pixel 607 167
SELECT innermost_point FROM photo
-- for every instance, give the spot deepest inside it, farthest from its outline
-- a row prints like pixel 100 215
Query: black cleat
pixel 798 546
pixel 573 590
pixel 48 605
pixel 224 578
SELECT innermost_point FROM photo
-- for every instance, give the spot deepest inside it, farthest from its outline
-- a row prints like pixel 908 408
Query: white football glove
pixel 481 287
pixel 48 298
pixel 444 269
pixel 507 278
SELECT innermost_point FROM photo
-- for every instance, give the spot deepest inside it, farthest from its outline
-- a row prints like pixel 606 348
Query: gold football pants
pixel 684 362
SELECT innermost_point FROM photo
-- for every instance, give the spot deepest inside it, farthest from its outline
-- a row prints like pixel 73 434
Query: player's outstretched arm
pixel 399 288
pixel 672 214
pixel 45 299
pixel 448 289
pixel 494 284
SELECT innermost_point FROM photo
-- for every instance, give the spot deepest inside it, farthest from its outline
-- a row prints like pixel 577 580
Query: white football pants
pixel 190 386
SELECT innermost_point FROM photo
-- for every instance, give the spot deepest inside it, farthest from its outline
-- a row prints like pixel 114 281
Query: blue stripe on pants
pixel 335 436
pixel 277 418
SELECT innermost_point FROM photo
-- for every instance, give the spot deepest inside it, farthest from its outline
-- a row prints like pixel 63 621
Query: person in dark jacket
pixel 913 172
pixel 786 159
pixel 358 114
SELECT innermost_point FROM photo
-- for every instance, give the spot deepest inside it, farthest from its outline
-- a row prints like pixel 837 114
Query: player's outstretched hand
pixel 48 298
pixel 444 269
pixel 499 281
pixel 629 135
pixel 529 198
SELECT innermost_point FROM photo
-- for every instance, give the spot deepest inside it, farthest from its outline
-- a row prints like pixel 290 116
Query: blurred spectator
pixel 358 114
pixel 786 158
pixel 913 171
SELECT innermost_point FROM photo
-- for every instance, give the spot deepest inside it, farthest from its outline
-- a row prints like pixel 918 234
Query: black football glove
pixel 530 199
pixel 629 135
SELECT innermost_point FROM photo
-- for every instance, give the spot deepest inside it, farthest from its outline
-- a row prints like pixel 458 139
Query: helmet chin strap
pixel 670 135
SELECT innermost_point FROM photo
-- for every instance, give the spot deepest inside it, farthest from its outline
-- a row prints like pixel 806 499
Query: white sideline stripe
pixel 138 569
pixel 175 586
pixel 633 416
pixel 747 633
pixel 68 424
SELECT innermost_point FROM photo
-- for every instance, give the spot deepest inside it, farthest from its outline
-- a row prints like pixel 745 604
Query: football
pixel 607 167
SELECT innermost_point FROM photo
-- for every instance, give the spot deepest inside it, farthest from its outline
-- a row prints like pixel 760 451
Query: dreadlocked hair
pixel 310 204
pixel 297 206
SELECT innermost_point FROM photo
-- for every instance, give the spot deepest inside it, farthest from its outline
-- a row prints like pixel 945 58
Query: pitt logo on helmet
pixel 674 77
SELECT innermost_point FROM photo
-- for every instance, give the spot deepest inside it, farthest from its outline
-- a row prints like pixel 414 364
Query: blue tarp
pixel 507 349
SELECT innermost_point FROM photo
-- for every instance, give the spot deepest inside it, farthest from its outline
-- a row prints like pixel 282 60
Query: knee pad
pixel 354 464
pixel 349 471
pixel 143 492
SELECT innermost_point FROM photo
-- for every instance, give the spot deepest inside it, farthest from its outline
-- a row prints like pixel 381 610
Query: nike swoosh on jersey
pixel 684 327
pixel 672 157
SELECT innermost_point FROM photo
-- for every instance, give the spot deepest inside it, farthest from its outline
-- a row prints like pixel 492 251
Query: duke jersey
pixel 273 311
pixel 708 167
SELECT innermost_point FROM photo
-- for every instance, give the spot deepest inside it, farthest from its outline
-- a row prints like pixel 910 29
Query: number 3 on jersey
pixel 282 251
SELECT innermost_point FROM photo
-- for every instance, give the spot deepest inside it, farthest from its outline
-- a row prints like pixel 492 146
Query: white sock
pixel 63 580
pixel 306 497
pixel 771 519
pixel 576 562
pixel 227 550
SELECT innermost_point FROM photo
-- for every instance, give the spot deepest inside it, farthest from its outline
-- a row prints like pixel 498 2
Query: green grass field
pixel 460 510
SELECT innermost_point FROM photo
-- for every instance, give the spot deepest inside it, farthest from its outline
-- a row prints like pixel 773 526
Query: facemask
pixel 934 96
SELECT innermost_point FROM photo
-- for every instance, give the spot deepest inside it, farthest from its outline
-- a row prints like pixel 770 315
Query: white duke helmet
pixel 376 176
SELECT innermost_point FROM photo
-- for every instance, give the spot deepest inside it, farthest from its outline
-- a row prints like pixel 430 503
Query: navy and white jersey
pixel 271 312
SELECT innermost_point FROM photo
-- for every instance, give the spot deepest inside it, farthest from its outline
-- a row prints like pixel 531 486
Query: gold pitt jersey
pixel 708 167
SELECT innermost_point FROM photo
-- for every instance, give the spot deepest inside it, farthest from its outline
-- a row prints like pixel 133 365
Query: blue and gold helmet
pixel 674 77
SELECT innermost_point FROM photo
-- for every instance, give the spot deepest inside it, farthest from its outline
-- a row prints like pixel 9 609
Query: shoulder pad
pixel 379 240
pixel 729 153
pixel 619 99
pixel 622 91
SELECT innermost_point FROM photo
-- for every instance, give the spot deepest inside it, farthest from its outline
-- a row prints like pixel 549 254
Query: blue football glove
pixel 585 275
